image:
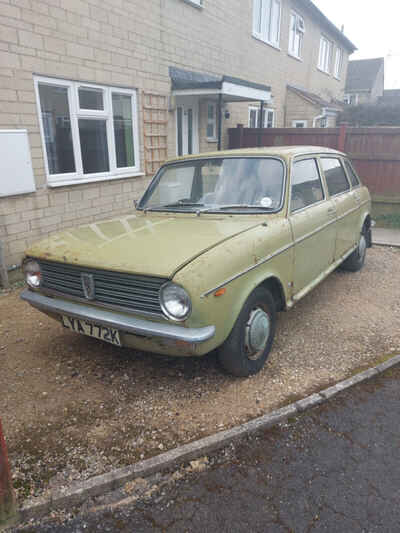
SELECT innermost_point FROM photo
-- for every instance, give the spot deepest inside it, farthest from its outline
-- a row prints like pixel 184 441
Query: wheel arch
pixel 274 285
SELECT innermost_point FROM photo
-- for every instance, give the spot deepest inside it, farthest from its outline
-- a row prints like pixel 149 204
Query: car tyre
pixel 356 260
pixel 247 348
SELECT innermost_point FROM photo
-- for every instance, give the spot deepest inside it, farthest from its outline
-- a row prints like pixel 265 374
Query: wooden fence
pixel 375 152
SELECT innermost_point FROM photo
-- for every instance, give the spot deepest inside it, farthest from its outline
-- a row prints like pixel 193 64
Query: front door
pixel 187 127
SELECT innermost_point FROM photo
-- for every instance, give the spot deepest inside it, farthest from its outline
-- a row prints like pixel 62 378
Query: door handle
pixel 332 211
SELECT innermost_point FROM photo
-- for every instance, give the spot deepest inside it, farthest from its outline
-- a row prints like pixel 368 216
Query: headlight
pixel 33 274
pixel 175 301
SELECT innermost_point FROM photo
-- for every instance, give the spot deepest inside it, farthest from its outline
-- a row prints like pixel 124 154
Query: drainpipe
pixel 219 121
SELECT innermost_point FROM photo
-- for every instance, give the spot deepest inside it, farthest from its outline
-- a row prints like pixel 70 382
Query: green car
pixel 218 244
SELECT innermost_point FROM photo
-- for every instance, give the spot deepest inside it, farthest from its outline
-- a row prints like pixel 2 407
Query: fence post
pixel 240 136
pixel 342 137
pixel 8 510
pixel 3 268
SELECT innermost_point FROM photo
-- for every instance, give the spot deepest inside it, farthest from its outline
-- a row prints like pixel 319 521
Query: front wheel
pixel 246 350
pixel 356 260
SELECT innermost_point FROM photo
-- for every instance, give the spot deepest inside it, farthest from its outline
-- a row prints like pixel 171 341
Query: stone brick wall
pixel 128 43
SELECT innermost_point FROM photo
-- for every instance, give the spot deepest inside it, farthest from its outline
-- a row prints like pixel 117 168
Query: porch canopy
pixel 224 89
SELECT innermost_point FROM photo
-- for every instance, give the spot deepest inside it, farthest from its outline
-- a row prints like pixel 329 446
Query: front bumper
pixel 120 321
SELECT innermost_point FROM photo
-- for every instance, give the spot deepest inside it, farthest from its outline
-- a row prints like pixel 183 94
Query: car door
pixel 346 204
pixel 313 222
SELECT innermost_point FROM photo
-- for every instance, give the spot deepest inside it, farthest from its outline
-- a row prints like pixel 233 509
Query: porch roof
pixel 190 83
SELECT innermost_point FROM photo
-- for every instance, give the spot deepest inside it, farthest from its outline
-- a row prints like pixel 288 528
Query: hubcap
pixel 362 246
pixel 257 333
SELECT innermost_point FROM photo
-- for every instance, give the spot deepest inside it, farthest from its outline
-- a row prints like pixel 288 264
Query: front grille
pixel 113 289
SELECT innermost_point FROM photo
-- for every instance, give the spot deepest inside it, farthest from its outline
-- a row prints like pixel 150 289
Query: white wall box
pixel 16 174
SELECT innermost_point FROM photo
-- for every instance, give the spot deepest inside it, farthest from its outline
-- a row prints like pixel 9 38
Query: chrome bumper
pixel 124 323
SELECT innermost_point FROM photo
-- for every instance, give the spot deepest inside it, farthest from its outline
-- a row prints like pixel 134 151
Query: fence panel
pixel 375 152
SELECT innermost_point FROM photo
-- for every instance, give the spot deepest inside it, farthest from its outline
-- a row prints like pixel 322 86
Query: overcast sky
pixel 373 27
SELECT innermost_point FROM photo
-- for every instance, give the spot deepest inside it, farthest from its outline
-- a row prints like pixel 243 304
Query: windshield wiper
pixel 171 206
pixel 236 206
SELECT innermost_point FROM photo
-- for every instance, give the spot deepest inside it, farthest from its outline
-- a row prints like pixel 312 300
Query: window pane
pixel 123 130
pixel 335 176
pixel 353 177
pixel 275 21
pixel 306 184
pixel 210 131
pixel 94 147
pixel 253 118
pixel 57 129
pixel 91 98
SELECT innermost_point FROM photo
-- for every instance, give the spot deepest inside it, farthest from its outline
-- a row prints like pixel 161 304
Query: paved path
pixel 333 469
pixel 384 236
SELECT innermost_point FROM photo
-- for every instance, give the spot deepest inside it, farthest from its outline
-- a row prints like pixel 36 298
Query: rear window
pixel 355 182
pixel 335 176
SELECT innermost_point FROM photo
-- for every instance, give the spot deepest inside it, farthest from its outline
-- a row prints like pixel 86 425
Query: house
pixel 365 81
pixel 95 94
pixel 390 97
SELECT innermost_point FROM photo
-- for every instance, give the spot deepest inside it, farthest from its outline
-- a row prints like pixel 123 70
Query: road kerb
pixel 78 492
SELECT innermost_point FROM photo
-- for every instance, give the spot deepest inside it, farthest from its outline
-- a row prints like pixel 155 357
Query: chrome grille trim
pixel 114 290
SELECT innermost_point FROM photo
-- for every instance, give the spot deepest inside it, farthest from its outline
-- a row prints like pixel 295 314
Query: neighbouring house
pixel 95 94
pixel 390 97
pixel 365 81
pixel 305 109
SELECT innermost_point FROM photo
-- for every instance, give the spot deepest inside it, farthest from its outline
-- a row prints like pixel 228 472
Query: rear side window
pixel 306 184
pixel 355 182
pixel 335 176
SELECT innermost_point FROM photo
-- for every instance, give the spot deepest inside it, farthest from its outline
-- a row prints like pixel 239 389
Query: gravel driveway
pixel 73 407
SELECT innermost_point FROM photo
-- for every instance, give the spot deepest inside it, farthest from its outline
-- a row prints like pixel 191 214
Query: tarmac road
pixel 335 468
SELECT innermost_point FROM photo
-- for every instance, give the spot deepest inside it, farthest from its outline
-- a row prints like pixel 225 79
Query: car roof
pixel 286 152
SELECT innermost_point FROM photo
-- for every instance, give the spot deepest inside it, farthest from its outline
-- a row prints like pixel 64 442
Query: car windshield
pixel 239 183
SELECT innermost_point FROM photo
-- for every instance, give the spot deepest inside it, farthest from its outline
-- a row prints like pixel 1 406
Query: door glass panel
pixel 123 130
pixel 190 130
pixel 350 172
pixel 306 184
pixel 335 176
pixel 56 122
pixel 179 129
pixel 90 98
pixel 94 146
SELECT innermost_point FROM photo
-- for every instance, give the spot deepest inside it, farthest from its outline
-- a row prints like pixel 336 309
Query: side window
pixel 335 175
pixel 306 184
pixel 355 182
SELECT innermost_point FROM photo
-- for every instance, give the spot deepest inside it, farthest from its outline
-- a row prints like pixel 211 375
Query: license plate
pixel 92 330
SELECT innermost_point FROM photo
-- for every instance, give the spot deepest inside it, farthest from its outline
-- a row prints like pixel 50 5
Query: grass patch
pixel 391 220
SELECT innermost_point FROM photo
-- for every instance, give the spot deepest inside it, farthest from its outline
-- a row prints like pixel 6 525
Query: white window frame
pixel 263 19
pixel 325 54
pixel 212 121
pixel 76 113
pixel 195 3
pixel 338 63
pixel 304 124
pixel 266 110
pixel 296 29
pixel 348 98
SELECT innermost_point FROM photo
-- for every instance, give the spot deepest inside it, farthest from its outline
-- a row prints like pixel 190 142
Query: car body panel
pixel 141 243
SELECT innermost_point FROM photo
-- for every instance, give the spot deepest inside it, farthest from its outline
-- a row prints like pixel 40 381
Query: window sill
pixel 324 72
pixel 211 140
pixel 261 40
pixel 298 58
pixel 80 180
pixel 194 4
pixel 337 78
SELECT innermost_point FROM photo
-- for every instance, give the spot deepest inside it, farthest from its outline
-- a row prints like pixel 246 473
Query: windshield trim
pixel 161 209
